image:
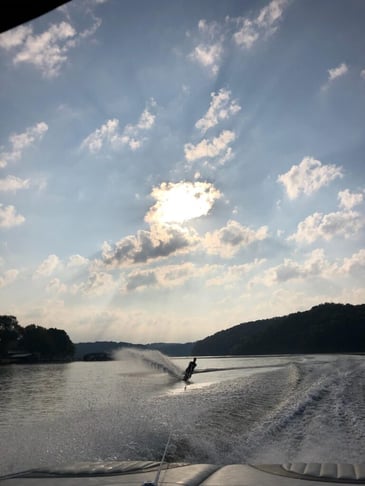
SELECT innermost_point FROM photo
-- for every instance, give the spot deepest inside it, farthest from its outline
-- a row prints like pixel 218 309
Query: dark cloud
pixel 160 242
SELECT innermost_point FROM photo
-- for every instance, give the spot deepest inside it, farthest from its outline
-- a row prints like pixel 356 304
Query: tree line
pixel 43 344
pixel 326 328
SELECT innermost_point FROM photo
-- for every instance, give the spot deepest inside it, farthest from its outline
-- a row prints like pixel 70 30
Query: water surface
pixel 256 410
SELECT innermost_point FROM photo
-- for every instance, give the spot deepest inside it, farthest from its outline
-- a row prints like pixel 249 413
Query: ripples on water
pixel 256 410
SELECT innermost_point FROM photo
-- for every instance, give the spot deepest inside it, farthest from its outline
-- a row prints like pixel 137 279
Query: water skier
pixel 190 369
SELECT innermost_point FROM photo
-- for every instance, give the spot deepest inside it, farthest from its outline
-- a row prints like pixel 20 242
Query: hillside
pixel 170 349
pixel 326 328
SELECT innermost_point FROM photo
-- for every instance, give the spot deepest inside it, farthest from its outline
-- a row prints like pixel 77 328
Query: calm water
pixel 264 409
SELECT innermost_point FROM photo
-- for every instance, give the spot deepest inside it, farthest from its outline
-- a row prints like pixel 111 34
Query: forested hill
pixel 326 328
pixel 171 349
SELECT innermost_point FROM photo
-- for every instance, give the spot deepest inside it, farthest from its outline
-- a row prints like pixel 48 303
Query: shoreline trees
pixel 33 343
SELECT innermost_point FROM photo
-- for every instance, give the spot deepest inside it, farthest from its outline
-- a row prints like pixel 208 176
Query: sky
pixel 170 169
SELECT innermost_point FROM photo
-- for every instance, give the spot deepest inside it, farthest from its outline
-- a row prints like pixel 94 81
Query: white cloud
pixel 48 266
pixel 15 37
pixel 316 265
pixel 228 240
pixel 345 224
pixel 8 277
pixel 337 72
pixel 47 51
pixel 348 199
pixel 355 264
pixel 262 26
pixel 109 135
pixel 209 49
pixel 9 217
pixel 207 148
pixel 182 201
pixel 104 135
pixel 77 261
pixel 12 183
pixel 20 141
pixel 221 108
pixel 247 35
pixel 362 74
pixel 270 14
pixel 208 56
pixel 308 177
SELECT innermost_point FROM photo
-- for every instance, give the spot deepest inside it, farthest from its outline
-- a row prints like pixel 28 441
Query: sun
pixel 182 201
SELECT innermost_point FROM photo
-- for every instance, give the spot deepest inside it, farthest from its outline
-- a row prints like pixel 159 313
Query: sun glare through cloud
pixel 182 201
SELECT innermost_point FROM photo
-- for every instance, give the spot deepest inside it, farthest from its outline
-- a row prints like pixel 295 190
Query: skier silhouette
pixel 190 370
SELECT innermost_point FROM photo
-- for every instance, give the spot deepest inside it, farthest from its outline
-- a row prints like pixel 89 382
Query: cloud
pixel 209 148
pixel 355 264
pixel 337 72
pixel 48 266
pixel 47 51
pixel 109 135
pixel 208 56
pixel 344 224
pixel 209 51
pixel 140 280
pixel 362 74
pixel 20 141
pixel 262 26
pixel 171 276
pixel 181 201
pixel 221 108
pixel 105 135
pixel 8 277
pixel 98 284
pixel 77 261
pixel 9 217
pixel 12 184
pixel 233 273
pixel 160 242
pixel 308 177
pixel 55 286
pixel 166 276
pixel 315 265
pixel 348 199
pixel 15 37
pixel 228 240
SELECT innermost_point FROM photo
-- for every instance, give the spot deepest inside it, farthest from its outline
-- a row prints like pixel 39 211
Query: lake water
pixel 250 410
